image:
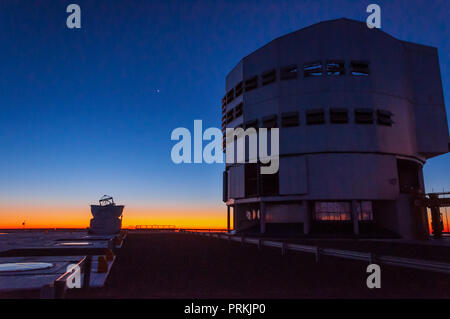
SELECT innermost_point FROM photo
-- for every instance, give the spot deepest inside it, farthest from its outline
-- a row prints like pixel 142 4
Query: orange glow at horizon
pixel 79 217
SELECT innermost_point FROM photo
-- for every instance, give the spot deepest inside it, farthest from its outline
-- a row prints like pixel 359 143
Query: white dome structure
pixel 359 113
pixel 107 217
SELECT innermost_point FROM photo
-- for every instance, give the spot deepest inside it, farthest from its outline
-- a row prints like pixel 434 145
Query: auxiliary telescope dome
pixel 107 216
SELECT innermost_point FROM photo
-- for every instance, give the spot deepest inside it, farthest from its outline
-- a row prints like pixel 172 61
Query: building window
pixel 364 116
pixel 312 69
pixel 335 67
pixel 332 211
pixel 364 210
pixel 359 68
pixel 230 116
pixel 289 119
pixel 251 123
pixel 230 95
pixel 315 117
pixel 239 89
pixel 338 115
pixel 251 84
pixel 238 110
pixel 384 117
pixel 288 72
pixel 269 121
pixel 269 77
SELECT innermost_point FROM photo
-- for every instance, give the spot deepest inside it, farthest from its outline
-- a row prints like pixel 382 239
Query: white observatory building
pixel 359 113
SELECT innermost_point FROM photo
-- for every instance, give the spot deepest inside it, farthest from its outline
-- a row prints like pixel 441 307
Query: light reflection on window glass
pixel 341 211
pixel 364 210
pixel 332 211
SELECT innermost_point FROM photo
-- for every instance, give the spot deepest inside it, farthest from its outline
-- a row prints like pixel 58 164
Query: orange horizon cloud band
pixel 78 217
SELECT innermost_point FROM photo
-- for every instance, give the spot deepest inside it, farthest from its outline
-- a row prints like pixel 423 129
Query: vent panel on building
pixel 269 121
pixel 251 83
pixel 364 116
pixel 238 110
pixel 289 72
pixel 384 117
pixel 338 115
pixel 251 123
pixel 314 117
pixel 269 77
pixel 335 67
pixel 359 68
pixel 312 69
pixel 289 119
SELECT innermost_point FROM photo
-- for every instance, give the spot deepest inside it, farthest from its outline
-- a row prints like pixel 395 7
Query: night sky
pixel 89 111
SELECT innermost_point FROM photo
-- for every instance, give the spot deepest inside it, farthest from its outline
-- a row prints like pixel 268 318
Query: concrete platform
pixel 51 239
pixel 53 247
pixel 17 280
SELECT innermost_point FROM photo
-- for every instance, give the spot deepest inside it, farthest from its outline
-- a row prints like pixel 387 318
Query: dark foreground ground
pixel 187 266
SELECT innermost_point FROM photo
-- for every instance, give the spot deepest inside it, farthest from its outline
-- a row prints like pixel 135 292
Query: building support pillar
pixel 307 219
pixel 228 219
pixel 355 218
pixel 235 218
pixel 262 220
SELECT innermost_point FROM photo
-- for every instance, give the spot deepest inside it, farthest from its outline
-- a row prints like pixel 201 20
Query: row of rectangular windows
pixel 289 72
pixel 341 211
pixel 314 117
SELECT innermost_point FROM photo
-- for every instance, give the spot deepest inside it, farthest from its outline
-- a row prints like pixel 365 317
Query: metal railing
pixel 57 289
pixel 204 230
pixel 173 228
pixel 413 263
pixel 155 227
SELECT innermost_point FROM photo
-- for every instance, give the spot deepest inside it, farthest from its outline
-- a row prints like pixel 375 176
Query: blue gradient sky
pixel 80 114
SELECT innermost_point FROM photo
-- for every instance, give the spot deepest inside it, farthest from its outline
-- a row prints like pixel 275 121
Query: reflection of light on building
pixel 356 126
pixel 445 213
